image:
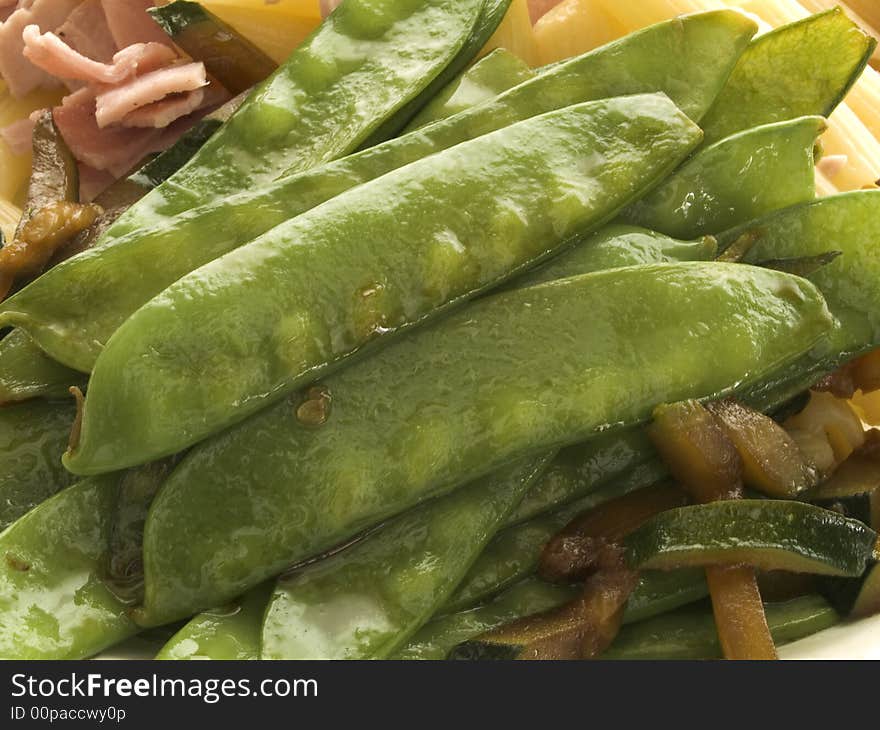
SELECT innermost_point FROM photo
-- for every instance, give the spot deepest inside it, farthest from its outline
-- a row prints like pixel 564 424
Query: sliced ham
pixel 539 8
pixel 20 74
pixel 113 105
pixel 114 149
pixel 129 22
pixel 19 135
pixel 160 114
pixel 87 32
pixel 93 182
pixel 50 53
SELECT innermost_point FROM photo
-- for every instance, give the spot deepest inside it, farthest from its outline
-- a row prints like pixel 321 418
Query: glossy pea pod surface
pixel 360 67
pixel 799 69
pixel 32 438
pixel 53 604
pixel 231 633
pixel 487 78
pixel 241 332
pixel 27 372
pixel 512 375
pixel 740 178
pixel 72 310
pixel 848 223
pixel 368 600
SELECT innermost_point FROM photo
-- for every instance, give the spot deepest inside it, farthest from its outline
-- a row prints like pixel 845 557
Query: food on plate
pixel 438 329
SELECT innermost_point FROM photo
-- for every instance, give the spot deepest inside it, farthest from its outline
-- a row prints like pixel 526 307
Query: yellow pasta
pixel 273 28
pixel 636 15
pixel 867 9
pixel 299 8
pixel 574 27
pixel 16 169
pixel 9 216
pixel 515 34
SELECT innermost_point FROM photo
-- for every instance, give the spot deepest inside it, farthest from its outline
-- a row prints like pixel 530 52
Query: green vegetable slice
pixel 27 372
pixel 766 534
pixel 797 70
pixel 231 633
pixel 738 179
pixel 512 375
pixel 487 78
pixel 74 309
pixel 365 602
pixel 228 56
pixel 53 604
pixel 32 438
pixel 371 263
pixel 690 633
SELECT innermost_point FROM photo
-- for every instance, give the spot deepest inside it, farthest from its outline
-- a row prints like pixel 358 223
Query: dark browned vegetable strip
pixel 707 464
pixel 228 56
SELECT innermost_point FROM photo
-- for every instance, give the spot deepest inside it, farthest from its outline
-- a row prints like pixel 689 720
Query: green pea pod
pixel 365 602
pixel 359 68
pixel 231 633
pixel 797 70
pixel 849 223
pixel 616 246
pixel 738 179
pixel 27 372
pixel 512 375
pixel 691 633
pixel 656 593
pixel 490 76
pixel 53 604
pixel 515 552
pixel 72 310
pixel 368 264
pixel 489 19
pixel 32 438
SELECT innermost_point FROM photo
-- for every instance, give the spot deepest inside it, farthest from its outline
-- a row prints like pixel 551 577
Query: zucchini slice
pixel 766 534
pixel 228 56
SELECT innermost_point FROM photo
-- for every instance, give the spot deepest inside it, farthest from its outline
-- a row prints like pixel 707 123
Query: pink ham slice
pixel 129 22
pixel 114 149
pixel 539 8
pixel 87 32
pixel 18 135
pixel 160 114
pixel 21 75
pixel 48 52
pixel 116 103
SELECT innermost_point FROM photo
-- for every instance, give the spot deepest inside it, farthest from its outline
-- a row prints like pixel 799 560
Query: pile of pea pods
pixel 401 318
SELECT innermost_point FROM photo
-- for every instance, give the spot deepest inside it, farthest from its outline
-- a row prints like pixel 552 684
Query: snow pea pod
pixel 27 372
pixel 738 179
pixel 365 602
pixel 656 594
pixel 227 340
pixel 691 633
pixel 359 68
pixel 514 553
pixel 32 438
pixel 490 76
pixel 616 246
pixel 849 223
pixel 72 310
pixel 488 20
pixel 52 602
pixel 515 374
pixel 797 70
pixel 231 633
